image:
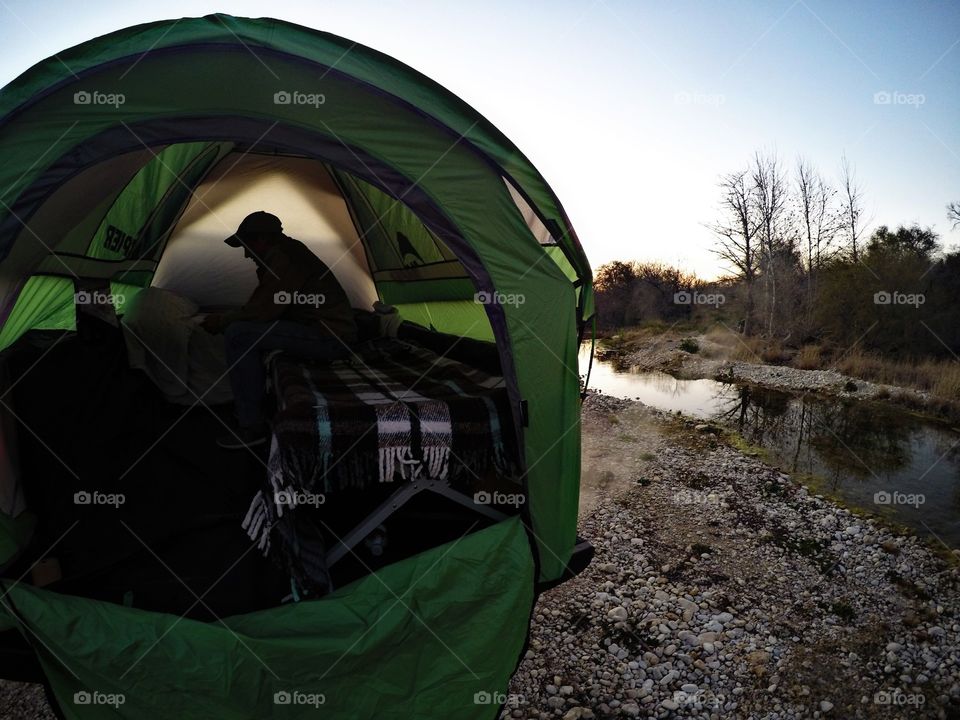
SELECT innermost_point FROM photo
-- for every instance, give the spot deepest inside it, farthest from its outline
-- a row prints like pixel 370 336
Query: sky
pixel 633 110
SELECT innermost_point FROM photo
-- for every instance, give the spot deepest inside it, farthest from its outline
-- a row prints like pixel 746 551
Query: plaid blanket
pixel 393 412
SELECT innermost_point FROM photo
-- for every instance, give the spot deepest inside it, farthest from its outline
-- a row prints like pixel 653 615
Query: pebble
pixel 654 619
pixel 619 613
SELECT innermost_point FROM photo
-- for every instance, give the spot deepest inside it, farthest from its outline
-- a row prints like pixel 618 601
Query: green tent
pixel 103 148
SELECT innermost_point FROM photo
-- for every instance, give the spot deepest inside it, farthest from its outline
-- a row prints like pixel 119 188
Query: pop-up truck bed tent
pixel 124 162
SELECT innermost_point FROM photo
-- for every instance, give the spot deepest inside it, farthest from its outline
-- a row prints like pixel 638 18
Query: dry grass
pixel 946 383
pixel 749 349
pixel 810 357
pixel 774 353
pixel 940 378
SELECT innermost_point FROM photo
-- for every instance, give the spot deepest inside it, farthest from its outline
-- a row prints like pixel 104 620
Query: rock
pixel 618 614
pixel 828 522
pixel 826 706
pixel 631 709
pixel 566 690
pixel 669 705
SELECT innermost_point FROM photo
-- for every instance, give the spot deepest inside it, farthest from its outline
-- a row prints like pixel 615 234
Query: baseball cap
pixel 258 223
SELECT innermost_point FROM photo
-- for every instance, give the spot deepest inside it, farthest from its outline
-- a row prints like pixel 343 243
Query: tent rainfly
pixel 125 160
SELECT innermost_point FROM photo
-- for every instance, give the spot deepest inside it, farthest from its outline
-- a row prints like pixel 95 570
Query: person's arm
pixel 279 276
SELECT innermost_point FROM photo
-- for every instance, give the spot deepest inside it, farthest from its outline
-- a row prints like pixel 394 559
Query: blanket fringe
pixel 435 463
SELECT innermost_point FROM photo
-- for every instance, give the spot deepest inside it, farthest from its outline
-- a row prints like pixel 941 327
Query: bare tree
pixel 818 223
pixel 953 213
pixel 852 206
pixel 736 233
pixel 771 193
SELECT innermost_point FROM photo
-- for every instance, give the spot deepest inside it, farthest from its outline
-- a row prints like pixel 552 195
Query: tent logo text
pixel 95 97
pixel 117 240
pixel 295 97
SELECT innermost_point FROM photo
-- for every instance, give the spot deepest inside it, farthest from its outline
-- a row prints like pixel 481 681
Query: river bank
pixel 724 356
pixel 722 588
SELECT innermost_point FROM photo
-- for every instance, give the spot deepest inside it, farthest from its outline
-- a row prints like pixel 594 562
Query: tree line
pixel 803 269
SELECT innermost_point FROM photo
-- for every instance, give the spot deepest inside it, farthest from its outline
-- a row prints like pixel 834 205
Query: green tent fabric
pixel 102 148
pixel 437 636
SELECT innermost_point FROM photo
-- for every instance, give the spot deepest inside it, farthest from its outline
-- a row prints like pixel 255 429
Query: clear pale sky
pixel 632 110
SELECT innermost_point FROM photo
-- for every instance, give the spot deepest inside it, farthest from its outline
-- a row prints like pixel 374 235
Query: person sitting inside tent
pixel 297 306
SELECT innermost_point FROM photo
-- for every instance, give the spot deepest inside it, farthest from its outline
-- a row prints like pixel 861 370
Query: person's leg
pixel 306 342
pixel 245 343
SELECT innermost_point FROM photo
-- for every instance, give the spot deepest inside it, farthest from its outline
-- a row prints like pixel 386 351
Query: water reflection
pixel 834 439
pixel 872 455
